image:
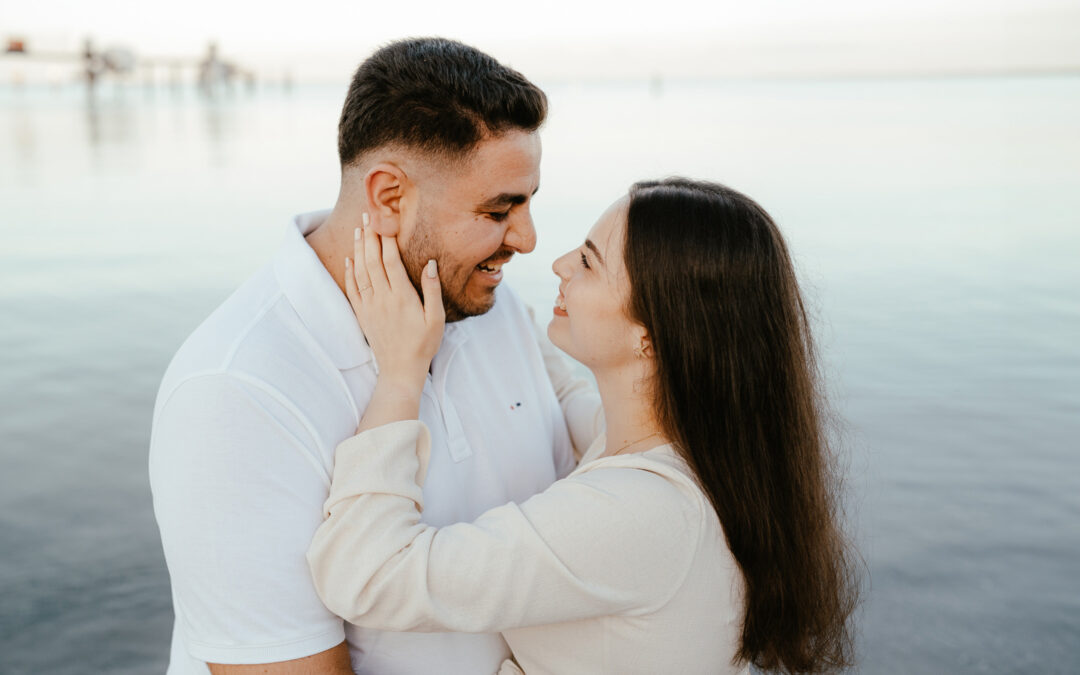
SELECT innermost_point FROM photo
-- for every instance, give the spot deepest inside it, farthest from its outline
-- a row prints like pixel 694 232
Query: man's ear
pixel 384 185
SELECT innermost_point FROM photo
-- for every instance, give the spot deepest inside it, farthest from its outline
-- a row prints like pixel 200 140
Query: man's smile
pixel 493 265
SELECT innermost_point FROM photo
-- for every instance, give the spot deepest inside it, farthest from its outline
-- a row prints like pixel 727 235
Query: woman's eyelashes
pixel 584 261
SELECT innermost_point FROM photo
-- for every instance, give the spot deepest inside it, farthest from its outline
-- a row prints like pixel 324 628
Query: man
pixel 439 147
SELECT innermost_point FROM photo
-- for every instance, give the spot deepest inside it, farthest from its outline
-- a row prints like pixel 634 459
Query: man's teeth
pixel 491 268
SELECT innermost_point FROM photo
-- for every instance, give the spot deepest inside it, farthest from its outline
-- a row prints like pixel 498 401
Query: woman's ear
pixel 644 348
pixel 383 185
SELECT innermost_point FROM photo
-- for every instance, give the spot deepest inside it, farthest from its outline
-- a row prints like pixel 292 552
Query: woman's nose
pixel 560 266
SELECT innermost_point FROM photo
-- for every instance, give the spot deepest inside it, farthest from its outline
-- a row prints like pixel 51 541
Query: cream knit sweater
pixel 620 568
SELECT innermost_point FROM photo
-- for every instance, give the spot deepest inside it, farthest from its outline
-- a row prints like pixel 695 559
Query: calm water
pixel 935 224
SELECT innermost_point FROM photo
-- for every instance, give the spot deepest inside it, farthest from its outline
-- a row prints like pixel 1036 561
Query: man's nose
pixel 521 234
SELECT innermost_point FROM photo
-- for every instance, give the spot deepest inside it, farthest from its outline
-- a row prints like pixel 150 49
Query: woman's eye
pixel 499 216
pixel 584 261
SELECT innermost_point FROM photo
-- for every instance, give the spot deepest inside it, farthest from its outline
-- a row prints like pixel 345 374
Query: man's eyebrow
pixel 592 247
pixel 506 199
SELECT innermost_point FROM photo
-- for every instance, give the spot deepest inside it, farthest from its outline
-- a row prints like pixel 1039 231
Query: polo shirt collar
pixel 315 296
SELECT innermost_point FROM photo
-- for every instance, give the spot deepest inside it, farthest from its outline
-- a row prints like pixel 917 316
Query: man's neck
pixel 333 240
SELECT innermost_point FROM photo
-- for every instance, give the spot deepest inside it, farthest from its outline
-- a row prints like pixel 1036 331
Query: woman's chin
pixel 557 335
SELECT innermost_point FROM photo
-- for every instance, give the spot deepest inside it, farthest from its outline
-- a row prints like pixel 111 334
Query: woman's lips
pixel 560 306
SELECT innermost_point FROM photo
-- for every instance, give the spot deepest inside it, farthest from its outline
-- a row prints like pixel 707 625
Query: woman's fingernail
pixel 348 262
pixel 365 219
pixel 356 234
pixel 431 269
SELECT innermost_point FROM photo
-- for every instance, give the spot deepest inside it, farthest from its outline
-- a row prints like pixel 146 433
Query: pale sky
pixel 324 39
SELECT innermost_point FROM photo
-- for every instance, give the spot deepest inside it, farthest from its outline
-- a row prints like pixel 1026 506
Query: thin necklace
pixel 655 433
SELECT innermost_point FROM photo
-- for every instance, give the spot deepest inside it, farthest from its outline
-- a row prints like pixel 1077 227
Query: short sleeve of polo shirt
pixel 238 491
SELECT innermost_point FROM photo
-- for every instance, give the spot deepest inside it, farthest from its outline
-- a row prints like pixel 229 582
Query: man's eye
pixel 584 261
pixel 499 216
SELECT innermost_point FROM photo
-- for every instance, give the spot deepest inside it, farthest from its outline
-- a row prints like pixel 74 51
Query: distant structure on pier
pixel 215 73
pixel 212 73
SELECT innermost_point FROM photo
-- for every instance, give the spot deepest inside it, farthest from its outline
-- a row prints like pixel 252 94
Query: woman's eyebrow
pixel 592 247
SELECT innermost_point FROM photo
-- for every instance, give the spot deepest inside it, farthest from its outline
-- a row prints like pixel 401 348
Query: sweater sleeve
pixel 601 542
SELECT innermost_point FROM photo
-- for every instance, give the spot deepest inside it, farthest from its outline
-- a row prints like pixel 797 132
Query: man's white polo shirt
pixel 245 426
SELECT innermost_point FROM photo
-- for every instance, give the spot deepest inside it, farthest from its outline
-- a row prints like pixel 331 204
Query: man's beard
pixel 424 246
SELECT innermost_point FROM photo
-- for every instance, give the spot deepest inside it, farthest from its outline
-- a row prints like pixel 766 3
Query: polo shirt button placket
pixel 456 441
pixel 455 434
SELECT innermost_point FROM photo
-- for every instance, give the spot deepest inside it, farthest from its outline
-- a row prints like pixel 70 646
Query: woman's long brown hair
pixel 737 389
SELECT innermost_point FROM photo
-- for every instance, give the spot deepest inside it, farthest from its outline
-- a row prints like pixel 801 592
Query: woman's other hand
pixel 403 332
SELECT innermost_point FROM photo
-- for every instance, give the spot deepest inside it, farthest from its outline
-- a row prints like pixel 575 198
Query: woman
pixel 698 535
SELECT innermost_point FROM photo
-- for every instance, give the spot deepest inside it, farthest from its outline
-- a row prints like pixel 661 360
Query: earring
pixel 641 351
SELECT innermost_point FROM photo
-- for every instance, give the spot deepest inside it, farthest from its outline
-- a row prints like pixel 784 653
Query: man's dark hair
pixel 435 95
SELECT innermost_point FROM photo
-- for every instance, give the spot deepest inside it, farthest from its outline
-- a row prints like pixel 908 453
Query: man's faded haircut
pixel 435 95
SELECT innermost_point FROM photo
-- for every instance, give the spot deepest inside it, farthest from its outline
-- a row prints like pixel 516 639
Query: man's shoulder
pixel 254 336
pixel 229 326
